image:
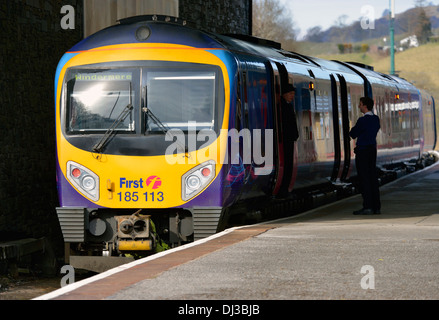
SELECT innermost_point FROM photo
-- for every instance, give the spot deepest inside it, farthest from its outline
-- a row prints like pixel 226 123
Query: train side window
pixel 246 111
pixel 319 125
pixel 306 125
pixel 387 113
pixel 238 104
pixel 349 101
pixel 381 115
pixel 327 123
pixel 306 114
pixel 354 108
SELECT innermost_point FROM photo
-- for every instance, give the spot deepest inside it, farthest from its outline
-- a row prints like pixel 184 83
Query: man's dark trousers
pixel 365 161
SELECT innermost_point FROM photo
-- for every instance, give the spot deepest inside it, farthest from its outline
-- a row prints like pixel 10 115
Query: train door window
pixel 387 113
pixel 306 114
pixel 380 111
pixel 245 85
pixel 406 118
pixel 319 125
pixel 306 125
pixel 318 116
pixel 355 109
pixel 322 115
pixel 377 107
pixel 352 109
pixel 340 112
pixel 396 115
pixel 327 122
pixel 306 99
pixel 238 118
pixel 349 99
pixel 351 106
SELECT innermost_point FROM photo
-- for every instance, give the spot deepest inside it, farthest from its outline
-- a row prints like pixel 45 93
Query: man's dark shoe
pixel 364 212
pixel 377 211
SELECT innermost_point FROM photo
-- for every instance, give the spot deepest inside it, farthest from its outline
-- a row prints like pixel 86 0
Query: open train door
pixel 344 130
pixel 336 118
pixel 340 117
pixel 290 135
pixel 285 143
pixel 278 129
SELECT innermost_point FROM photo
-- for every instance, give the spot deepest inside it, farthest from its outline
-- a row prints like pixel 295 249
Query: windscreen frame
pixel 128 143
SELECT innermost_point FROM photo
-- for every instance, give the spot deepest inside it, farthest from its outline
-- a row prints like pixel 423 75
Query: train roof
pixel 149 29
pixel 162 29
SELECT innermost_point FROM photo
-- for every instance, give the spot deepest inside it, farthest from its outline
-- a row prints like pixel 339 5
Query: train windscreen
pixel 181 99
pixel 98 98
pixel 141 100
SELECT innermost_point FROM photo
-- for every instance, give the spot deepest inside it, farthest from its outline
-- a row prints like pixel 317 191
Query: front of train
pixel 140 114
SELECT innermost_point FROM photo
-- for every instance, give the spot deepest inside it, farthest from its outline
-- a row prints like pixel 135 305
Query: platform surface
pixel 325 253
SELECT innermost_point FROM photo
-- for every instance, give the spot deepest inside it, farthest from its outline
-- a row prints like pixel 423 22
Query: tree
pixel 339 30
pixel 272 21
pixel 341 21
pixel 314 34
pixel 423 25
pixel 419 3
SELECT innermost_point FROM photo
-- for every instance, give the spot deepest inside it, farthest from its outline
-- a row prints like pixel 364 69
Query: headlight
pixel 88 183
pixel 193 182
pixel 85 180
pixel 197 179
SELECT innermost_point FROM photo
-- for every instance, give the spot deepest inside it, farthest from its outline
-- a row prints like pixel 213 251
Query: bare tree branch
pixel 273 21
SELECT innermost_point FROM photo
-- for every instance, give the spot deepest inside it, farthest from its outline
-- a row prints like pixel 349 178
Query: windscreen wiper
pixel 162 127
pixel 156 120
pixel 165 129
pixel 98 147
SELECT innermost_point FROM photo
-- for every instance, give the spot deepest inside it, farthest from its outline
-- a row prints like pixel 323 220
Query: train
pixel 166 134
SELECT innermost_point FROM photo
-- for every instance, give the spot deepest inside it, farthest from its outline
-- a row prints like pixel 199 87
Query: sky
pixel 310 13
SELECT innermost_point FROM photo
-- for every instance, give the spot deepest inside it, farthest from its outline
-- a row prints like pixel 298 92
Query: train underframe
pixel 92 235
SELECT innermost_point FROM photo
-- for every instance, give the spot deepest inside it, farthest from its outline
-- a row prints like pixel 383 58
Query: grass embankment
pixel 419 65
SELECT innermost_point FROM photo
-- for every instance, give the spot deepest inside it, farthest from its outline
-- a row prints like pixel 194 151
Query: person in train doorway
pixel 365 131
pixel 288 95
pixel 290 134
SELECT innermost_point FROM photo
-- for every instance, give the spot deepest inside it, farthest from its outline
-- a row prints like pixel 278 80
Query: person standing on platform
pixel 365 131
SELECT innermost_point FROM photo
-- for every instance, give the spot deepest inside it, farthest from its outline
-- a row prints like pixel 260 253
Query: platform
pixel 325 253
